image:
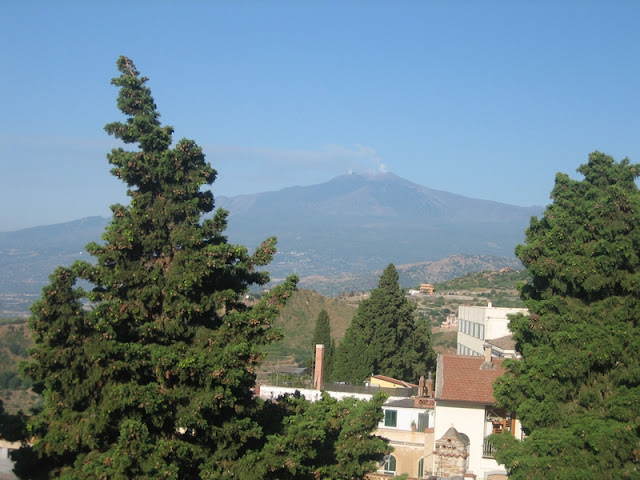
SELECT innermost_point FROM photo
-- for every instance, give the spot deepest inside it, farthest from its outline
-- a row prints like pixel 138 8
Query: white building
pixel 478 324
pixel 407 422
pixel 408 425
pixel 464 400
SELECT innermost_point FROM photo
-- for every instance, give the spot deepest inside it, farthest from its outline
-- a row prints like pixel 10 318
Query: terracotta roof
pixel 463 379
pixel 395 381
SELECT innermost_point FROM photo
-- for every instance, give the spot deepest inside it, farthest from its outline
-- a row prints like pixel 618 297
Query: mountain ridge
pixel 341 232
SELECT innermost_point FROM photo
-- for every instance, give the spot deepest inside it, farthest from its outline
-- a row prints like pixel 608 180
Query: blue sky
pixel 485 99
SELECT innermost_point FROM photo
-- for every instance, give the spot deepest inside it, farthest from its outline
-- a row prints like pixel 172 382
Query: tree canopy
pixel 577 388
pixel 149 371
pixel 385 337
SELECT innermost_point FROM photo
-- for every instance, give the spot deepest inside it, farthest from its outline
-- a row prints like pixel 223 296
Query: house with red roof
pixel 466 415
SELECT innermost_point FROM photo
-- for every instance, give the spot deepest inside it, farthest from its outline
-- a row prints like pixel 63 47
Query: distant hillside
pixel 483 281
pixel 29 256
pixel 411 275
pixel 298 318
pixel 337 236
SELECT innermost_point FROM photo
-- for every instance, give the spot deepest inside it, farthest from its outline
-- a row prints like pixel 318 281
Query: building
pixel 479 324
pixel 408 420
pixel 388 382
pixel 466 415
pixel 502 347
pixel 408 425
pixel 427 288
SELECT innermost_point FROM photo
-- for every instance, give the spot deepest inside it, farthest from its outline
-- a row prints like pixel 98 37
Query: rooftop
pixel 394 381
pixel 505 343
pixel 402 403
pixel 465 378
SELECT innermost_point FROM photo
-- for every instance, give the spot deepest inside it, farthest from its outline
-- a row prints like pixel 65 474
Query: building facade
pixel 464 401
pixel 479 324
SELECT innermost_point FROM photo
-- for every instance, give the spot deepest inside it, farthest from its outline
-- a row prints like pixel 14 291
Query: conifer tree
pixel 148 373
pixel 385 337
pixel 322 336
pixel 577 388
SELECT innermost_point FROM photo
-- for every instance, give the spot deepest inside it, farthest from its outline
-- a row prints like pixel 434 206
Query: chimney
pixel 429 385
pixel 424 399
pixel 488 362
pixel 421 387
pixel 318 375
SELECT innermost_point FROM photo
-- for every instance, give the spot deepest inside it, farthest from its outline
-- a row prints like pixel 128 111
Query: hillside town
pixel 439 426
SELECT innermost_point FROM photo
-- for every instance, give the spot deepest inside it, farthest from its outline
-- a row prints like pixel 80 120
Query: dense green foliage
pixel 577 388
pixel 149 374
pixel 328 439
pixel 13 427
pixel 322 336
pixel 14 343
pixel 385 337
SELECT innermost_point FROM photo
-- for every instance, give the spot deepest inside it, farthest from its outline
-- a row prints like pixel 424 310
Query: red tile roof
pixel 463 380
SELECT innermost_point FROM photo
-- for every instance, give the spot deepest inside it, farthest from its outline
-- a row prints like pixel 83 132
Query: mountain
pixel 29 256
pixel 335 235
pixel 356 223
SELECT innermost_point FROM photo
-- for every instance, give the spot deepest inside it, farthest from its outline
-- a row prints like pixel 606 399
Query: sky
pixel 484 99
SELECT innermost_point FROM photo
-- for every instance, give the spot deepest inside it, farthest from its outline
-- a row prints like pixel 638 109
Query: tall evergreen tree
pixel 577 388
pixel 384 337
pixel 149 374
pixel 322 336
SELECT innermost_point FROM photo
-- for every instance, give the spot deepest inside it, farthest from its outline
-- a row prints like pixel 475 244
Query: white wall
pixel 493 319
pixel 406 416
pixel 270 392
pixel 470 420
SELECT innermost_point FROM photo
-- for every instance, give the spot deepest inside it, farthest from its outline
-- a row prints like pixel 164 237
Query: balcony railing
pixel 487 448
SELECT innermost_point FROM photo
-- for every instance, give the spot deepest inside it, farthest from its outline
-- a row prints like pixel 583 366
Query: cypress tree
pixel 148 373
pixel 322 336
pixel 577 388
pixel 384 337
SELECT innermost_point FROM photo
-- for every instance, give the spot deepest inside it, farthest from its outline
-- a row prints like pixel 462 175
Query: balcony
pixel 487 448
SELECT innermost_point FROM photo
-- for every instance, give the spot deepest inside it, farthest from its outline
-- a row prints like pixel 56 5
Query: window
pixel 389 464
pixel 391 419
pixel 422 471
pixel 423 421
